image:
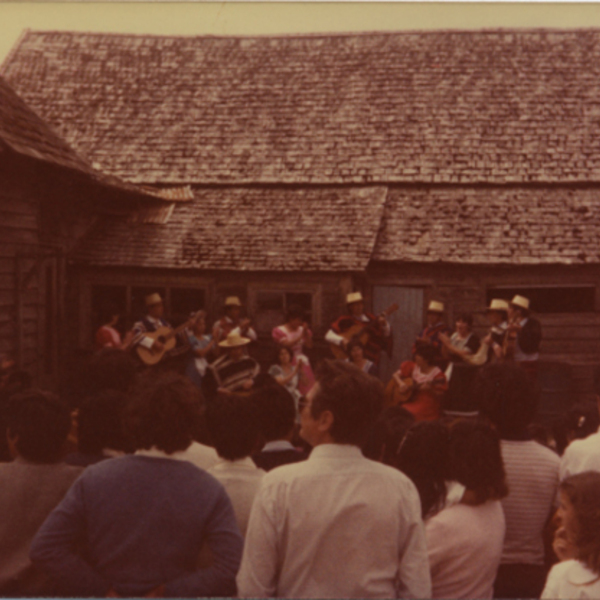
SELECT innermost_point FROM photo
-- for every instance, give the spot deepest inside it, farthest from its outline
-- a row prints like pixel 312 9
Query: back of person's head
pixel 100 422
pixel 354 398
pixel 234 426
pixel 387 433
pixel 111 369
pixel 581 420
pixel 583 491
pixel 39 422
pixel 276 412
pixel 164 412
pixel 476 460
pixel 507 397
pixel 426 350
pixel 423 457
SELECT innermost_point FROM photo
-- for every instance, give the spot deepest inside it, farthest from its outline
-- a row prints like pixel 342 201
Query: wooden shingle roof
pixel 513 226
pixel 428 107
pixel 316 229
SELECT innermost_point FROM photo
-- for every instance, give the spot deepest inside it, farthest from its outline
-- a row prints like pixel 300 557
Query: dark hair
pixel 581 420
pixel 107 312
pixel 354 398
pixel 354 343
pixel 276 411
pixel 278 351
pixel 295 311
pixel 387 433
pixel 41 422
pixel 111 369
pixel 466 318
pixel 423 457
pixel 507 397
pixel 476 460
pixel 426 351
pixel 583 491
pixel 165 411
pixel 234 426
pixel 100 422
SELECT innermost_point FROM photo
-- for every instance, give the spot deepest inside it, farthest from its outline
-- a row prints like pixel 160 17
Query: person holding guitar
pixel 376 331
pixel 232 320
pixel 431 334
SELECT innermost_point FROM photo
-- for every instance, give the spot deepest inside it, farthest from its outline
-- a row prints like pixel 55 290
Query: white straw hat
pixel 498 304
pixel 233 340
pixel 152 299
pixel 435 306
pixel 354 297
pixel 521 302
pixel 232 301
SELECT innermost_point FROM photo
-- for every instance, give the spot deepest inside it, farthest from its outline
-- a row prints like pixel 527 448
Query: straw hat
pixel 521 302
pixel 354 297
pixel 153 299
pixel 232 301
pixel 435 306
pixel 497 304
pixel 234 339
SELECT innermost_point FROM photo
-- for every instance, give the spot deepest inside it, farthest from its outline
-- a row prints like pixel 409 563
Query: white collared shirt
pixel 519 354
pixel 278 446
pixel 581 455
pixel 241 479
pixel 571 579
pixel 336 525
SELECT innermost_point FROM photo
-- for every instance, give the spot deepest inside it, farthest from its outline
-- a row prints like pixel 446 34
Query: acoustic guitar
pixel 361 331
pixel 165 335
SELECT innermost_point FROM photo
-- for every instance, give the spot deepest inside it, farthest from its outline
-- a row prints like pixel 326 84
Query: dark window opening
pixel 271 308
pixel 542 300
pixel 184 302
pixel 105 299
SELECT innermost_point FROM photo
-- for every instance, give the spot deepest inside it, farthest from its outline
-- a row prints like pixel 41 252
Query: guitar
pixel 165 335
pixel 362 331
pixel 393 395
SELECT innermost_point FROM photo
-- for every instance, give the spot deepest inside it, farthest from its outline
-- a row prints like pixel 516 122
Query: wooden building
pixel 459 166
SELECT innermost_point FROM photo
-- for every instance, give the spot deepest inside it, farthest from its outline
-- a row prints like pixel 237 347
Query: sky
pixel 254 18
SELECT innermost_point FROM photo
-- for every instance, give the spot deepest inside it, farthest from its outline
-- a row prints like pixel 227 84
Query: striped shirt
pixel 532 477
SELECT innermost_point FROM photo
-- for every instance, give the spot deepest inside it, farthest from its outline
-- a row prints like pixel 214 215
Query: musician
pixel 232 320
pixel 152 321
pixel 497 314
pixel 524 335
pixel 380 332
pixel 431 334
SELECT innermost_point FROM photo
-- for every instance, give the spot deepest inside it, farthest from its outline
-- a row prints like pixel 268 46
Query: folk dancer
pixel 497 314
pixel 201 345
pixel 431 333
pixel 380 331
pixel 524 336
pixel 107 336
pixel 232 320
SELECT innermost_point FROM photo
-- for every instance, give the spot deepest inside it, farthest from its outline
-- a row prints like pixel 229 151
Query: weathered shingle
pixel 433 107
pixel 248 229
pixel 491 226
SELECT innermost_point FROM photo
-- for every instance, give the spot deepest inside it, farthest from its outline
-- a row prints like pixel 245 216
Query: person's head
pixel 476 460
pixel 356 350
pixel 154 306
pixel 233 307
pixel 435 313
pixel 423 457
pixel 276 412
pixel 355 304
pixel 341 406
pixel 100 423
pixel 165 412
pixel 464 324
pixel 37 424
pixel 234 426
pixel 111 368
pixel 518 308
pixel 235 345
pixel 425 354
pixel 579 512
pixel 284 356
pixel 295 316
pixel 387 433
pixel 497 311
pixel 581 420
pixel 199 323
pixel 507 397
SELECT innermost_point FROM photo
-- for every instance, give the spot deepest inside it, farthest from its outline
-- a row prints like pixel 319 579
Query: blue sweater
pixel 140 522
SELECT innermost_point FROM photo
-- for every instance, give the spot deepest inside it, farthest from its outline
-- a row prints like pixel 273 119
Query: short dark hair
pixel 41 422
pixel 581 420
pixel 100 422
pixel 279 349
pixel 234 426
pixel 583 491
pixel 276 411
pixel 387 433
pixel 466 318
pixel 295 311
pixel 355 343
pixel 423 457
pixel 476 460
pixel 354 398
pixel 426 351
pixel 165 411
pixel 507 397
pixel 111 368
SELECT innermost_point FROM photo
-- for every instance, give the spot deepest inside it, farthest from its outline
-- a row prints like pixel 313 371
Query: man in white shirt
pixel 336 525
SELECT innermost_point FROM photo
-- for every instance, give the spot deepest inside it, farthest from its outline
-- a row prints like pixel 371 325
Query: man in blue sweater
pixel 135 525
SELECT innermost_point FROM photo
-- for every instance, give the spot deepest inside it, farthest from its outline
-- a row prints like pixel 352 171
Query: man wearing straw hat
pixel 435 327
pixel 380 332
pixel 524 335
pixel 152 321
pixel 232 320
pixel 497 314
pixel 234 371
